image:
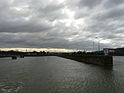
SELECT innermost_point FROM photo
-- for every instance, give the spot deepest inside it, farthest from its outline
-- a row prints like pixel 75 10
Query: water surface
pixel 59 75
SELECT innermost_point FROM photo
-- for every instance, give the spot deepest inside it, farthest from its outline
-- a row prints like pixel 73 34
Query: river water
pixel 59 75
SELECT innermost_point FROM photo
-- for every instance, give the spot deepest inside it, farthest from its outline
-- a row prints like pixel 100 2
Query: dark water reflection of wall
pixel 59 75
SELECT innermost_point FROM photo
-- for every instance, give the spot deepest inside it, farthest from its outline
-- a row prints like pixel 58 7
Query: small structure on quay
pixel 14 57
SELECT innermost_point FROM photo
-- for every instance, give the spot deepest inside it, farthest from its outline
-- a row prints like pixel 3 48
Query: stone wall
pixel 91 59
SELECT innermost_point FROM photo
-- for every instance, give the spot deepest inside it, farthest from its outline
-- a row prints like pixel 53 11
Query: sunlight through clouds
pixel 61 23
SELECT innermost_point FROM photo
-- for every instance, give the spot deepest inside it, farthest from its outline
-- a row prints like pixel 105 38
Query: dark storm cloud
pixel 13 18
pixel 112 3
pixel 111 14
pixel 14 27
pixel 68 24
pixel 89 3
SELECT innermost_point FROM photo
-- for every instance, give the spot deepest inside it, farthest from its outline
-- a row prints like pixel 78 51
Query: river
pixel 59 75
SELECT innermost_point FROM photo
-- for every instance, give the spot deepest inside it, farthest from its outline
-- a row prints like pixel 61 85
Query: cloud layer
pixel 71 24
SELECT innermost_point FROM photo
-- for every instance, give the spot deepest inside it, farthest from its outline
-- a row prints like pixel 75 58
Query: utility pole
pixel 98 43
pixel 93 45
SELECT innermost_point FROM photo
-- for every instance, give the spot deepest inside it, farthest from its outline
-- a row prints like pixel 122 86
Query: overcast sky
pixel 71 24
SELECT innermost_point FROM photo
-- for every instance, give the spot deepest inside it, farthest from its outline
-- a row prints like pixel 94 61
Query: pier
pixel 91 59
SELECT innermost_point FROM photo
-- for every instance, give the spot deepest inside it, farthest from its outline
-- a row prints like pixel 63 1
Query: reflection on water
pixel 10 87
pixel 59 75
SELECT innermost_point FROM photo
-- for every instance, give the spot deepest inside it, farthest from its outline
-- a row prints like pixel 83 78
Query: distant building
pixel 109 51
pixel 119 51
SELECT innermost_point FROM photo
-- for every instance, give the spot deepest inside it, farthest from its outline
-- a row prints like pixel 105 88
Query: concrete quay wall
pixel 91 59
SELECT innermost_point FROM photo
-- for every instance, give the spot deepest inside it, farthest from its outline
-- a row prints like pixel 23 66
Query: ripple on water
pixel 11 87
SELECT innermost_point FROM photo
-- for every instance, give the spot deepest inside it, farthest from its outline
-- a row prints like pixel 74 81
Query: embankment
pixel 91 59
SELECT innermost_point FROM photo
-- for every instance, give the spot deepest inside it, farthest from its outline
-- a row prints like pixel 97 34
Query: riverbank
pixel 91 59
